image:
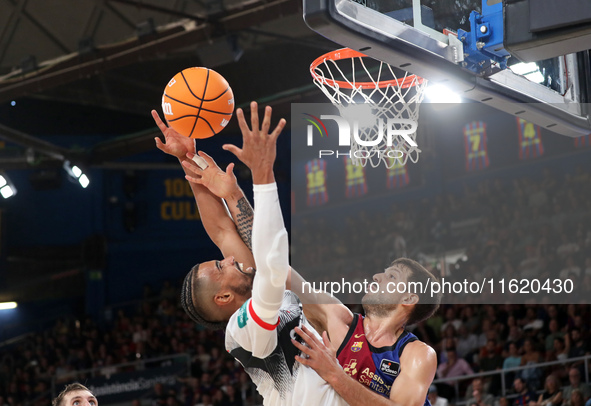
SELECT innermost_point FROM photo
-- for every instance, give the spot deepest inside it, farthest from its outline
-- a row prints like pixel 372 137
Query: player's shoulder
pixel 417 348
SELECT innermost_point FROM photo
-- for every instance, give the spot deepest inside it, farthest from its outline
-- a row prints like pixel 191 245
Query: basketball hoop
pixel 380 92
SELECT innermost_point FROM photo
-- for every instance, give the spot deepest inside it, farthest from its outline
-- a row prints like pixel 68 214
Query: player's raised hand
pixel 221 183
pixel 174 144
pixel 319 355
pixel 258 150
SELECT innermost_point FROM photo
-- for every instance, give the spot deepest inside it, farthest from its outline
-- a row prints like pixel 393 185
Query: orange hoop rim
pixel 348 53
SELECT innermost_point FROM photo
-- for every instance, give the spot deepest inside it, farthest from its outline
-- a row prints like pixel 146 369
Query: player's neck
pixel 383 331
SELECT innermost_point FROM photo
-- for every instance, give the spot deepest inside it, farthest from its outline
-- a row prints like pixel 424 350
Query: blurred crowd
pixel 529 228
pixel 156 327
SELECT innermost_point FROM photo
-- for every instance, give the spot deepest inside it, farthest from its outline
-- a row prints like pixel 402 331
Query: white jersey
pixel 267 354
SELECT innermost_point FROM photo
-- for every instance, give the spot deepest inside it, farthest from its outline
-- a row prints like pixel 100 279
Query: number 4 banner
pixel 475 146
pixel 530 141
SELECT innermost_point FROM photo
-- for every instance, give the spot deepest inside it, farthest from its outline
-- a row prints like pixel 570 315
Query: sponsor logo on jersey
pixel 356 347
pixel 390 367
pixel 359 335
pixel 351 367
pixel 242 315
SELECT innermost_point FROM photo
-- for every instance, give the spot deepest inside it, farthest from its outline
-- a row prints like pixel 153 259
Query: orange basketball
pixel 198 102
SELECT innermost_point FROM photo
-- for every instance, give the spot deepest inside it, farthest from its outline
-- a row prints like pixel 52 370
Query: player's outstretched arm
pixel 258 153
pixel 218 225
pixel 269 236
pixel 409 388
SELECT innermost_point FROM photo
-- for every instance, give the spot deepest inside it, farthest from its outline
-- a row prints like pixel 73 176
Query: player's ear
pixel 410 299
pixel 223 297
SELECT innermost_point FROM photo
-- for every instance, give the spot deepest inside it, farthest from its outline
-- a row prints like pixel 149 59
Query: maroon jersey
pixel 377 368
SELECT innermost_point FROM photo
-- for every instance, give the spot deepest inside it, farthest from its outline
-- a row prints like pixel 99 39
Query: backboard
pixel 477 48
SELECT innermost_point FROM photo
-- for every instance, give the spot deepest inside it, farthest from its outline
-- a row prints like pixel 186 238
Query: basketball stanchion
pixel 375 95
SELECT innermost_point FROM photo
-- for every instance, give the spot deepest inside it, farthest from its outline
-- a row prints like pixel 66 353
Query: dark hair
pixel 428 304
pixel 193 289
pixel 69 388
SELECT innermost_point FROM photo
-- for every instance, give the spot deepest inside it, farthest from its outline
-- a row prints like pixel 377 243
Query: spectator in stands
pixel 574 378
pixel 578 348
pixel 449 340
pixel 453 367
pixel 205 401
pixel 531 357
pixel 576 399
pixel 515 335
pixel 560 349
pixel 477 395
pixel 552 395
pixel 435 399
pixel 467 343
pixel 490 360
pixel 450 318
pixel 513 360
pixel 524 394
pixel 553 333
pixel 470 319
pixel 159 396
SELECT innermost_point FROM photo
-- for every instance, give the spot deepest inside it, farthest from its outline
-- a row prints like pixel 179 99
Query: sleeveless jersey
pixel 377 368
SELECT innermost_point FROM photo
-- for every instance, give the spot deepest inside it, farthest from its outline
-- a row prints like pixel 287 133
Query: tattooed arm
pixel 242 213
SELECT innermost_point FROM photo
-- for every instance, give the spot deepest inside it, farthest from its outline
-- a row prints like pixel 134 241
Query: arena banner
pixel 356 184
pixel 475 146
pixel 316 182
pixel 530 140
pixel 584 141
pixel 126 386
pixel 397 174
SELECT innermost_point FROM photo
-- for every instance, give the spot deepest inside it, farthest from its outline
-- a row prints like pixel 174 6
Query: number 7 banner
pixel 475 146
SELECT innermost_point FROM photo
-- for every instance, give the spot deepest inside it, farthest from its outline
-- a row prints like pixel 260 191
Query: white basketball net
pixel 385 96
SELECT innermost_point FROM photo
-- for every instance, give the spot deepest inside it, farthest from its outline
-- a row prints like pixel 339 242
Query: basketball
pixel 198 102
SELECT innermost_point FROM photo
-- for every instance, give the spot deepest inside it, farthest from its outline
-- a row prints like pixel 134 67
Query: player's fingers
pixel 301 347
pixel 266 121
pixel 158 121
pixel 192 167
pixel 159 143
pixel 307 339
pixel 193 179
pixel 254 116
pixel 230 168
pixel 207 158
pixel 312 336
pixel 278 128
pixel 301 360
pixel 233 149
pixel 242 122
